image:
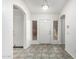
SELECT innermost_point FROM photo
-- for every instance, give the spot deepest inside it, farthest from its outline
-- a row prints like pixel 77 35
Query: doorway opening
pixel 62 29
pixel 18 27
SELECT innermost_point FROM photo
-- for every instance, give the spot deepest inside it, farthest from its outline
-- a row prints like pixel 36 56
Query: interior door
pixel 44 32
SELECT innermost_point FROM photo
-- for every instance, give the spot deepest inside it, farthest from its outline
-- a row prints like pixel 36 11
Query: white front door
pixel 44 32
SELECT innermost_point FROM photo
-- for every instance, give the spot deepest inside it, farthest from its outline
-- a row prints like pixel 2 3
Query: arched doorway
pixel 19 27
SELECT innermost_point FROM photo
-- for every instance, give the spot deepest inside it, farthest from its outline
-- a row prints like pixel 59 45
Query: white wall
pixel 70 33
pixel 50 17
pixel 7 29
pixel 28 34
pixel 18 27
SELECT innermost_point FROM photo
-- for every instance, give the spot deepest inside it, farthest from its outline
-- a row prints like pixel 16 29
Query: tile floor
pixel 41 51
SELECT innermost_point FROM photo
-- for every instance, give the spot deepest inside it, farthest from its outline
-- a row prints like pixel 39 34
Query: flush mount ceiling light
pixel 45 5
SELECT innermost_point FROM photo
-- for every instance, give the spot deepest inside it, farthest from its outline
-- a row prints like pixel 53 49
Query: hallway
pixel 41 27
pixel 41 51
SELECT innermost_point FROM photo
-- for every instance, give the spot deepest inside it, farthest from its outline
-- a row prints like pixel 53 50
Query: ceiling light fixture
pixel 45 5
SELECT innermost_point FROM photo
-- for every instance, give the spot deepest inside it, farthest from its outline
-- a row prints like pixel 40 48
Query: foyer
pixel 39 29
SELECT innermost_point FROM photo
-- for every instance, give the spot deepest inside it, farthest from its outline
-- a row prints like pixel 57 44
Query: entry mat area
pixel 41 51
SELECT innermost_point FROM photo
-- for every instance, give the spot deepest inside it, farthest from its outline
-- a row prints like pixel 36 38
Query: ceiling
pixel 55 6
